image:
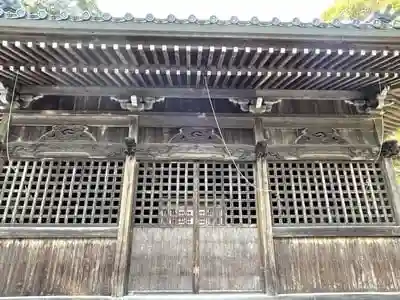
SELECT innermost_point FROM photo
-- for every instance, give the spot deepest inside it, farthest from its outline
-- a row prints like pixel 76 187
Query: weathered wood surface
pixel 123 246
pixel 56 267
pixel 162 260
pixel 166 135
pixel 317 265
pixel 230 260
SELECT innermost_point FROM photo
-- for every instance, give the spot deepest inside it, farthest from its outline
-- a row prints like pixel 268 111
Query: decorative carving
pixel 26 100
pixel 64 149
pixel 266 106
pixel 390 149
pixel 3 96
pixel 138 103
pixel 194 151
pixel 307 136
pixel 130 146
pixel 362 153
pixel 196 135
pixel 67 133
pixel 261 149
pixel 242 103
pixel 247 152
pixel 381 97
pixel 257 106
pixel 66 141
pixel 360 105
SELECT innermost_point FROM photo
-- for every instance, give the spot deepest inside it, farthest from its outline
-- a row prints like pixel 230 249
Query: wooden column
pixel 124 240
pixel 393 186
pixel 264 216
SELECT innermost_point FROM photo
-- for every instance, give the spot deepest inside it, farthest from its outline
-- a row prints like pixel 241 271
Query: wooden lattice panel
pixel 62 192
pixel 178 193
pixel 329 193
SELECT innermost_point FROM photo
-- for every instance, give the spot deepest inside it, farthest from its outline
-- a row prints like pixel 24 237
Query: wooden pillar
pixel 121 265
pixel 393 186
pixel 264 216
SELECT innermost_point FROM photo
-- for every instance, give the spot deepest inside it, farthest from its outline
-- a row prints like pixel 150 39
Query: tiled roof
pixel 381 21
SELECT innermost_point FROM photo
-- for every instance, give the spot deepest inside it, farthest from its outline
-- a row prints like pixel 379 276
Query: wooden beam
pixel 149 119
pixel 336 231
pixel 257 296
pixel 15 27
pixel 57 232
pixel 191 93
pixel 393 186
pixel 124 242
pixel 226 296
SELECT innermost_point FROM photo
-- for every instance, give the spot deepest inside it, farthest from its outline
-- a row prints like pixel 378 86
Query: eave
pixel 101 63
pixel 128 26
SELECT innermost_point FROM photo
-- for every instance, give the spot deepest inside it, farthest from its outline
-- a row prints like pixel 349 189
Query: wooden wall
pixel 313 265
pixel 32 267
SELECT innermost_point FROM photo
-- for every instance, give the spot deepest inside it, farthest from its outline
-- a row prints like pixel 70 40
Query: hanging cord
pixel 382 136
pixel 224 142
pixel 9 117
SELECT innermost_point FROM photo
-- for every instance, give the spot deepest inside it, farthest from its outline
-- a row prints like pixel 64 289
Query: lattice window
pixel 60 192
pixel 177 193
pixel 331 193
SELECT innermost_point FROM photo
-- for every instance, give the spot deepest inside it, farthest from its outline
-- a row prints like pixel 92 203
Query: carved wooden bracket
pixel 198 135
pixel 137 104
pixel 26 100
pixel 257 106
pixel 372 106
pixel 21 102
pixel 390 149
pixel 360 105
pixel 130 146
pixel 261 149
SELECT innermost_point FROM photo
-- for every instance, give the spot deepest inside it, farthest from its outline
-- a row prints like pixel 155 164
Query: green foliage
pixel 73 7
pixel 356 9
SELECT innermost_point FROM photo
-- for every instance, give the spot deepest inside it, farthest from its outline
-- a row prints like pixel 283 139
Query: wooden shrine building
pixel 146 158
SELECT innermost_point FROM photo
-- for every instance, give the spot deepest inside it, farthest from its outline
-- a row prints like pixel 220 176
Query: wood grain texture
pixel 164 135
pixel 161 260
pixel 317 265
pixel 56 267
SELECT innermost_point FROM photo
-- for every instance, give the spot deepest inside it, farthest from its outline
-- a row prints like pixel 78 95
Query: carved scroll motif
pixel 67 133
pixel 307 136
pixel 66 141
pixel 196 135
pixel 194 151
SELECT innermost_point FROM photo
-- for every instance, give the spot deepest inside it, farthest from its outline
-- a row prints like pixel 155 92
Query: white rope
pixel 224 142
pixel 9 118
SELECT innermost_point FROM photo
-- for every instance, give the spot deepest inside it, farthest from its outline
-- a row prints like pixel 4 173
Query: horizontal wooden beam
pixel 259 296
pixel 191 93
pixel 61 232
pixel 336 231
pixel 15 27
pixel 149 119
pixel 226 296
